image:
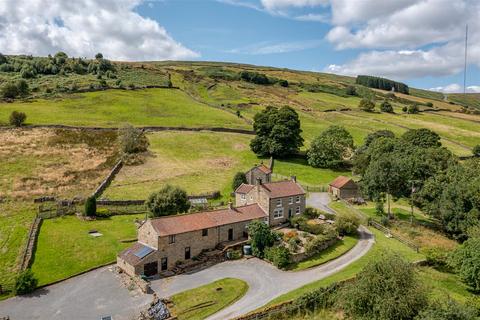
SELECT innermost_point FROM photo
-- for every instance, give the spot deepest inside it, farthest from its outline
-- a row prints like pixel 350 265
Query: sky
pixel 420 42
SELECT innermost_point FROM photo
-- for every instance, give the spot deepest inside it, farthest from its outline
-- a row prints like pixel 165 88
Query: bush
pixel 17 118
pixel 413 109
pixel 466 261
pixel 347 223
pixel 366 105
pixel 404 109
pixel 132 140
pixel 351 91
pixel 10 91
pixel 379 208
pixel 323 297
pixel 25 282
pixel 167 201
pixel 319 243
pixel 103 213
pixel 91 207
pixel 311 213
pixel 385 106
pixel 476 150
pixel 238 179
pixel 279 256
pixel 429 104
pixel 437 257
pixel 261 237
pixel 447 310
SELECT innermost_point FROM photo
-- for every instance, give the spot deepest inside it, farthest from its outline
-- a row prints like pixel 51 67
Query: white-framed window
pixel 171 239
pixel 242 196
pixel 251 197
pixel 290 200
pixel 278 213
pixel 279 202
pixel 297 210
pixel 297 199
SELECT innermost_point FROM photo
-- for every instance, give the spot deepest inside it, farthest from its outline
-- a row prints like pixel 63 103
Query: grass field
pixel 202 162
pixel 111 108
pixel 201 302
pixel 335 251
pixel 65 248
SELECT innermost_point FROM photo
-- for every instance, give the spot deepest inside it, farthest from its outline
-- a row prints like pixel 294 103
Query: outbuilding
pixel 344 188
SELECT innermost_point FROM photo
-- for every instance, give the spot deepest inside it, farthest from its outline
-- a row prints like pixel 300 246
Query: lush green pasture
pixel 335 251
pixel 65 248
pixel 147 107
pixel 201 302
pixel 201 162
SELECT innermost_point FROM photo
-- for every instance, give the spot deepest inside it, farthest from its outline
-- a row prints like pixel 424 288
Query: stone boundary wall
pixel 297 257
pixel 31 243
pixel 106 182
pixel 106 202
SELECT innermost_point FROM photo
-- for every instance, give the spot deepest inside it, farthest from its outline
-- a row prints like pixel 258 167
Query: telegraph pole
pixel 465 65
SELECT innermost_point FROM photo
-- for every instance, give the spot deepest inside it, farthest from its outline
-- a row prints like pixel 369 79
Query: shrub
pixel 91 207
pixel 132 140
pixel 404 109
pixel 25 282
pixel 311 213
pixel 366 105
pixel 323 297
pixel 379 208
pixel 279 256
pixel 429 104
pixel 168 200
pixel 10 91
pixel 22 87
pixel 293 243
pixel 437 257
pixel 385 106
pixel 261 237
pixel 103 213
pixel 466 261
pixel 387 288
pixel 351 91
pixel 17 118
pixel 413 109
pixel 238 179
pixel 317 244
pixel 476 150
pixel 347 223
pixel 289 235
pixel 447 310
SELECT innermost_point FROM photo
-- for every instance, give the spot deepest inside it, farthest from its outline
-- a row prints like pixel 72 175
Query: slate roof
pixel 280 189
pixel 340 181
pixel 170 225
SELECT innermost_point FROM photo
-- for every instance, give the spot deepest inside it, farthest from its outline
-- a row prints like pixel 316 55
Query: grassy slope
pixel 65 248
pixel 152 107
pixel 201 302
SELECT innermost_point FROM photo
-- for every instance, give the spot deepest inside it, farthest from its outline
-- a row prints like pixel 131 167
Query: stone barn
pixel 344 188
pixel 261 172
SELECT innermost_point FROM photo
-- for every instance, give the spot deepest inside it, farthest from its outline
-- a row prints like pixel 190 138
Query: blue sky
pixel 419 42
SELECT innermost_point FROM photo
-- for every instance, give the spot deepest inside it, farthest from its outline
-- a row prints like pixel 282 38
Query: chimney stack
pixel 294 178
pixel 230 205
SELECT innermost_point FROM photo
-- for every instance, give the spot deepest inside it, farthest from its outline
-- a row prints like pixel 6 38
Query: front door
pixel 164 264
pixel 289 213
pixel 187 253
pixel 230 234
pixel 150 269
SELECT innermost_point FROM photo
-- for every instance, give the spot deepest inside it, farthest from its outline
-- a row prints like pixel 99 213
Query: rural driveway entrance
pixel 319 200
pixel 86 297
pixel 265 281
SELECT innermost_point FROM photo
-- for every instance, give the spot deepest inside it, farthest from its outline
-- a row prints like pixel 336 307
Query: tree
pixel 466 261
pixel 447 309
pixel 99 56
pixel 60 58
pixel 476 150
pixel 377 134
pixel 10 91
pixel 351 91
pixel 22 87
pixel 279 256
pixel 238 179
pixel 277 132
pixel 423 138
pixel 330 148
pixel 366 105
pixel 413 109
pixel 261 237
pixel 25 282
pixel 386 289
pixel 132 140
pixel 385 106
pixel 90 207
pixel 17 118
pixel 169 200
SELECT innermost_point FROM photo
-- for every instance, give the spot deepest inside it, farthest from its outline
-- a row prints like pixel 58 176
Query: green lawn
pixel 335 251
pixel 148 107
pixel 201 302
pixel 65 248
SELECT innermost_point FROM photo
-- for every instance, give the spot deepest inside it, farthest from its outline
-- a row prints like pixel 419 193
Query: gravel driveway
pixel 320 200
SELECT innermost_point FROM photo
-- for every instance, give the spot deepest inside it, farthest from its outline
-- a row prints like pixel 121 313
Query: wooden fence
pixel 387 231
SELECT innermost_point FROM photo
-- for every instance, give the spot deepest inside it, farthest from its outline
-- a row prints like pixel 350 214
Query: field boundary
pixel 31 243
pixel 108 179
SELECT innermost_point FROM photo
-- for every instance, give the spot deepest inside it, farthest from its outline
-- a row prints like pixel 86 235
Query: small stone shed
pixel 344 188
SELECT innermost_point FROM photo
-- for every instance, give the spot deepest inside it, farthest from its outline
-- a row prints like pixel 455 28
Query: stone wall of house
pixel 147 235
pixel 255 173
pixel 289 204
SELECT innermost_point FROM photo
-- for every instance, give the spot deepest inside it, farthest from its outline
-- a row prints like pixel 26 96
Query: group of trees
pixel 330 148
pixel 260 78
pixel 60 63
pixel 12 90
pixel 382 83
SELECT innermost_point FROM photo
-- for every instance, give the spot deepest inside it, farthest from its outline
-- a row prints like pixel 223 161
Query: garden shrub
pixel 311 213
pixel 319 243
pixel 289 235
pixel 261 237
pixel 279 256
pixel 347 223
pixel 25 282
pixel 91 207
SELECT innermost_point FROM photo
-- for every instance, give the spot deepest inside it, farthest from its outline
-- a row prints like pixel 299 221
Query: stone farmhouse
pixel 343 188
pixel 163 242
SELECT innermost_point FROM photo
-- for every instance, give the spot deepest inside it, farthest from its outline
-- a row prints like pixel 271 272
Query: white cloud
pixel 313 17
pixel 456 88
pixel 473 89
pixel 272 48
pixel 83 28
pixel 273 5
